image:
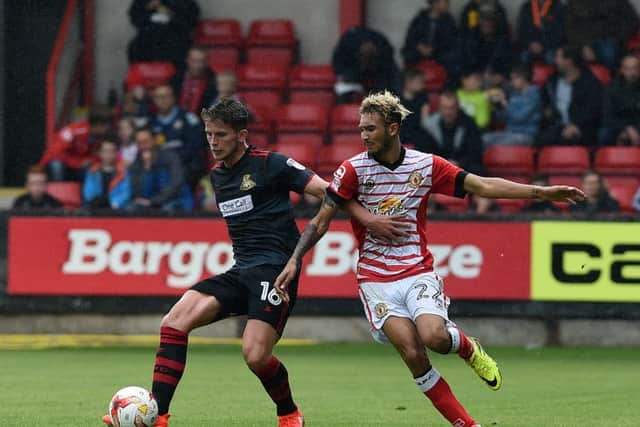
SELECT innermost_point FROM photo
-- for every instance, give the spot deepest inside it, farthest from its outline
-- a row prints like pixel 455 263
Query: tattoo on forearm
pixel 328 202
pixel 535 193
pixel 310 237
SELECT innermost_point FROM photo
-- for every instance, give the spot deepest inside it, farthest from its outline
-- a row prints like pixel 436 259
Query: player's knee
pixel 412 355
pixel 437 339
pixel 176 319
pixel 255 356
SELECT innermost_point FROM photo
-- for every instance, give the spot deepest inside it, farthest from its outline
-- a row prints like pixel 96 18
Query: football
pixel 133 407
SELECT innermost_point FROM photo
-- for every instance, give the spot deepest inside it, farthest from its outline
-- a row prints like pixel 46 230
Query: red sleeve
pixel 345 182
pixel 447 178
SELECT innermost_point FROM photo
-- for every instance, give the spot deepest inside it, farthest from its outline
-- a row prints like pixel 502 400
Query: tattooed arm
pixel 313 232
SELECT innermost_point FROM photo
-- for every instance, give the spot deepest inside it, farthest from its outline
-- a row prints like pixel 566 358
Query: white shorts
pixel 408 297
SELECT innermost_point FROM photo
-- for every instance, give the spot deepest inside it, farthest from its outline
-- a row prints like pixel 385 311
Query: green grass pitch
pixel 335 385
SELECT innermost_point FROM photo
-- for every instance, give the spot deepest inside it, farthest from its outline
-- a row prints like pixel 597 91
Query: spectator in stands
pixel 136 102
pixel 157 178
pixel 541 29
pixel 496 76
pixel 520 110
pixel 414 97
pixel 363 63
pixel 36 196
pixel 636 200
pixel 163 29
pixel 196 85
pixel 473 99
pixel 572 102
pixel 622 105
pixel 601 28
pixel 539 206
pixel 598 199
pixel 453 135
pixel 180 131
pixel 75 145
pixel 227 85
pixel 126 141
pixel 106 184
pixel 485 45
pixel 433 36
pixel 470 17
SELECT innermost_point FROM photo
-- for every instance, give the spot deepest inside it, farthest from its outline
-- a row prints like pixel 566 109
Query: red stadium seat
pixel 345 118
pixel 223 59
pixel 313 140
pixel 563 160
pixel 272 32
pixel 601 73
pixel 254 76
pixel 326 98
pixel 303 153
pixel 261 120
pixel 312 77
pixel 450 204
pixel 219 33
pixel 624 191
pixel 269 99
pixel 303 118
pixel 333 155
pixel 633 44
pixel 435 75
pixel 541 73
pixel 618 160
pixel 149 74
pixel 572 180
pixel 270 56
pixel 434 101
pixel 347 139
pixel 511 205
pixel 509 160
pixel 258 139
pixel 68 193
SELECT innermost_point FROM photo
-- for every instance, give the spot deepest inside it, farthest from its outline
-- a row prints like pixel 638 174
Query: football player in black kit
pixel 252 191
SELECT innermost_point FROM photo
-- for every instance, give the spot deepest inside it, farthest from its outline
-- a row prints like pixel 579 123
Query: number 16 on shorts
pixel 270 295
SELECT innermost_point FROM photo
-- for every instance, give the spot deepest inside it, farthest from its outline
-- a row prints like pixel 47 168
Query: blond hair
pixel 387 105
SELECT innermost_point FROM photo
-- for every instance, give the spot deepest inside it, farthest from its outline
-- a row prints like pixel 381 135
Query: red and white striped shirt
pixel 402 188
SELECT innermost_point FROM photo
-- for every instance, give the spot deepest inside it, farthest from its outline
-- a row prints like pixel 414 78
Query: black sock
pixel 170 362
pixel 275 380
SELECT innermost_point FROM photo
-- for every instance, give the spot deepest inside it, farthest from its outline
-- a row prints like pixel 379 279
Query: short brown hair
pixel 229 111
pixel 36 170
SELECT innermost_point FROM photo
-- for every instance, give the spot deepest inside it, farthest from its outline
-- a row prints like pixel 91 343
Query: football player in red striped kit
pixel 402 295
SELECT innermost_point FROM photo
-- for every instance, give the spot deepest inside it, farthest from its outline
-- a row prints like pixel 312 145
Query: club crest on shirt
pixel 247 183
pixel 415 180
pixel 369 184
pixel 389 206
pixel 381 310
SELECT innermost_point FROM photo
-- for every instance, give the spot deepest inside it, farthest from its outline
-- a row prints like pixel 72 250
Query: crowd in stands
pixel 561 88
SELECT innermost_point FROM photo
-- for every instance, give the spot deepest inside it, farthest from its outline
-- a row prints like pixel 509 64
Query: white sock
pixel 455 339
pixel 428 380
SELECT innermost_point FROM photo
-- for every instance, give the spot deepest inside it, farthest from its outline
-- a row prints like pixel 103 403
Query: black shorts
pixel 250 291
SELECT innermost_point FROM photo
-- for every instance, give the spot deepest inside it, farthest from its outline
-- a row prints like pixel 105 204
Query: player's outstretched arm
pixel 498 188
pixel 315 229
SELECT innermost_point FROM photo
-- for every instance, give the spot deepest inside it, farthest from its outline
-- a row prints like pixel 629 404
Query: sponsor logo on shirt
pixel 389 206
pixel 247 183
pixel 292 163
pixel 236 206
